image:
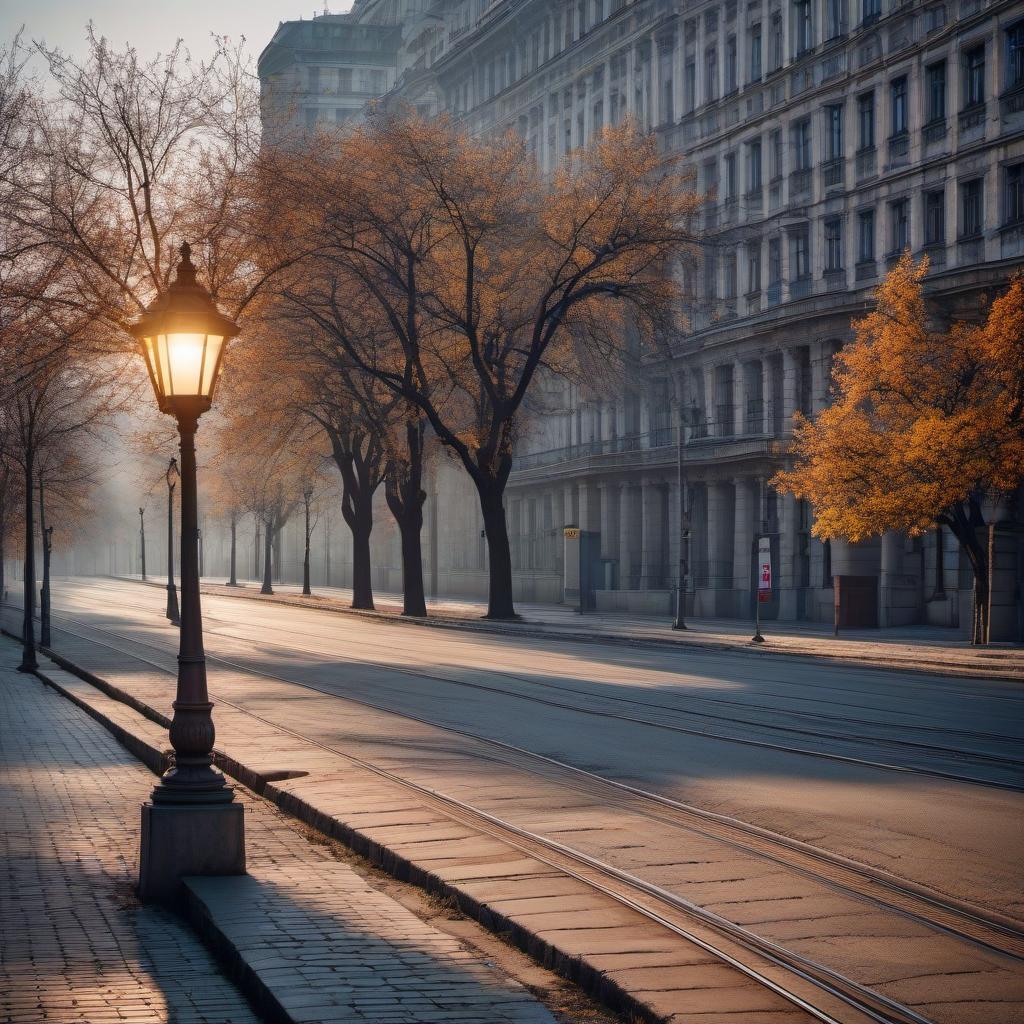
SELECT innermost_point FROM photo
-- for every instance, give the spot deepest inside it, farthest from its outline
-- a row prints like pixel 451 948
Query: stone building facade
pixel 830 136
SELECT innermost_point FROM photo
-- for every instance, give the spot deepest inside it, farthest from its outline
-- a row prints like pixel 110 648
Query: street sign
pixel 572 533
pixel 764 583
pixel 764 564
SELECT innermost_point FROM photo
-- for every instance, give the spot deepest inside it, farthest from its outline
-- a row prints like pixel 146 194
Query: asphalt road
pixel 919 777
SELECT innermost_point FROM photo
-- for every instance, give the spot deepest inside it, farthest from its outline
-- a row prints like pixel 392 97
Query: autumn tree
pixel 927 426
pixel 482 274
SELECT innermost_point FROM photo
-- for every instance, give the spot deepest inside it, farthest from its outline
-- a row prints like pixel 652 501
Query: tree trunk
pixel 44 590
pixel 361 526
pixel 233 581
pixel 28 634
pixel 306 591
pixel 964 527
pixel 405 497
pixel 408 512
pixel 499 583
pixel 268 558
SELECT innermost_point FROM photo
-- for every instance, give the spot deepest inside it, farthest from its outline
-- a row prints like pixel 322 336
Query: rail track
pixel 815 989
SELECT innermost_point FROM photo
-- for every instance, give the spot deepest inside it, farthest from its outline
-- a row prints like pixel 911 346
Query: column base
pixel 183 839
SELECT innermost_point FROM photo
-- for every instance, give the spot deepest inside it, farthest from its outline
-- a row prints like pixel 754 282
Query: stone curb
pixel 533 631
pixel 575 968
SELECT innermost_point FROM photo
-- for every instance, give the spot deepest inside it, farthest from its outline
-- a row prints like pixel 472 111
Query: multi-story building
pixel 324 71
pixel 830 137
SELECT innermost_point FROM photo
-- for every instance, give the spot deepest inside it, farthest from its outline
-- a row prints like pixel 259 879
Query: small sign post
pixel 764 584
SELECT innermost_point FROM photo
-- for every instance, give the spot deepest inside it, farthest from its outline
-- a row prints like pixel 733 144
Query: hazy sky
pixel 153 25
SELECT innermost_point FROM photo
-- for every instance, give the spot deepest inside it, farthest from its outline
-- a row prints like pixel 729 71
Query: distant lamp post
pixel 192 825
pixel 142 540
pixel 173 476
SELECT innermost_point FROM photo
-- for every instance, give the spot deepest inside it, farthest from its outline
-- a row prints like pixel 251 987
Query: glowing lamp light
pixel 182 336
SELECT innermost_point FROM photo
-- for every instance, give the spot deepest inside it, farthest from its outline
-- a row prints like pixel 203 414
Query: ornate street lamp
pixel 142 540
pixel 173 476
pixel 193 825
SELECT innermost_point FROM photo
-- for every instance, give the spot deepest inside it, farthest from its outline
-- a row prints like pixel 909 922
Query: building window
pixel 691 86
pixel 899 216
pixel 970 208
pixel 776 42
pixel 834 131
pixel 833 245
pixel 802 144
pixel 754 267
pixel 776 151
pixel 802 26
pixel 974 76
pixel 711 72
pixel 774 261
pixel 800 254
pixel 1013 194
pixel 935 92
pixel 730 64
pixel 834 18
pixel 1015 56
pixel 730 176
pixel 866 121
pixel 866 236
pixel 935 217
pixel 754 166
pixel 872 10
pixel 755 53
pixel 314 80
pixel 898 92
pixel 711 274
pixel 729 275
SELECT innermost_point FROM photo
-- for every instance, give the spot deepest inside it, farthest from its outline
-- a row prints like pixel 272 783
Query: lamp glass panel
pixel 185 358
pixel 152 364
pixel 163 368
pixel 214 343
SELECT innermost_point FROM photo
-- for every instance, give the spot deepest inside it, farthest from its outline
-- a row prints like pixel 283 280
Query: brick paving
pixel 74 944
pixel 314 941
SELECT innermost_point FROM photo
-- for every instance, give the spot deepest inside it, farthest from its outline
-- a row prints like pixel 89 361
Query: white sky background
pixel 152 26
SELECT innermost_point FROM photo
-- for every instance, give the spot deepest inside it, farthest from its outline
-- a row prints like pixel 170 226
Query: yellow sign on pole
pixel 571 532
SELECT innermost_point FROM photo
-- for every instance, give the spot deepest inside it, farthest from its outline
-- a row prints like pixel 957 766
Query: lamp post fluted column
pixel 142 540
pixel 172 593
pixel 192 735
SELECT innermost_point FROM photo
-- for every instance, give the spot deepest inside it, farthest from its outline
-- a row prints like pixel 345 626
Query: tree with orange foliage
pixel 927 425
pixel 482 274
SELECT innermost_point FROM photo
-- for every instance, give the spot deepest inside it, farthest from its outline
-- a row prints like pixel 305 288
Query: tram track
pixel 850 878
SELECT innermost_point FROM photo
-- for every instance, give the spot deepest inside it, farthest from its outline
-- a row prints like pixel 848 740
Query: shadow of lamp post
pixel 192 824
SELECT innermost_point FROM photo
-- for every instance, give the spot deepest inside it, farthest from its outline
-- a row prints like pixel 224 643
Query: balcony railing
pixel 835 280
pixel 801 287
pixel 657 438
pixel 934 131
pixel 972 117
pixel 799 183
pixel 867 162
pixel 832 173
pixel 1012 101
pixel 866 270
pixel 899 147
pixel 773 294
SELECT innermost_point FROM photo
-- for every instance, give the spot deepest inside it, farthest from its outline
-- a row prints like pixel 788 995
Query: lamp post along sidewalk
pixel 172 476
pixel 142 540
pixel 192 824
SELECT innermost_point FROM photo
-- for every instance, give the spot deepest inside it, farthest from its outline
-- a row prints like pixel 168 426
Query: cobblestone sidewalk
pixel 74 944
pixel 315 941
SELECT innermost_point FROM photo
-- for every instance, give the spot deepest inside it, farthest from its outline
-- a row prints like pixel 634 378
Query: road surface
pixel 908 779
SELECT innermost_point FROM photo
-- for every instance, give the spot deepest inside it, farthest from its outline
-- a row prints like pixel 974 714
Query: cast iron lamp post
pixel 193 825
pixel 142 540
pixel 173 476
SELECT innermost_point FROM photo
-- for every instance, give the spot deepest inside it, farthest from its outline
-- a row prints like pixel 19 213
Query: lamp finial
pixel 186 270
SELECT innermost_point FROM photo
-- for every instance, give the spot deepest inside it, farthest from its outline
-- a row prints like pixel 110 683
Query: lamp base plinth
pixel 188 839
